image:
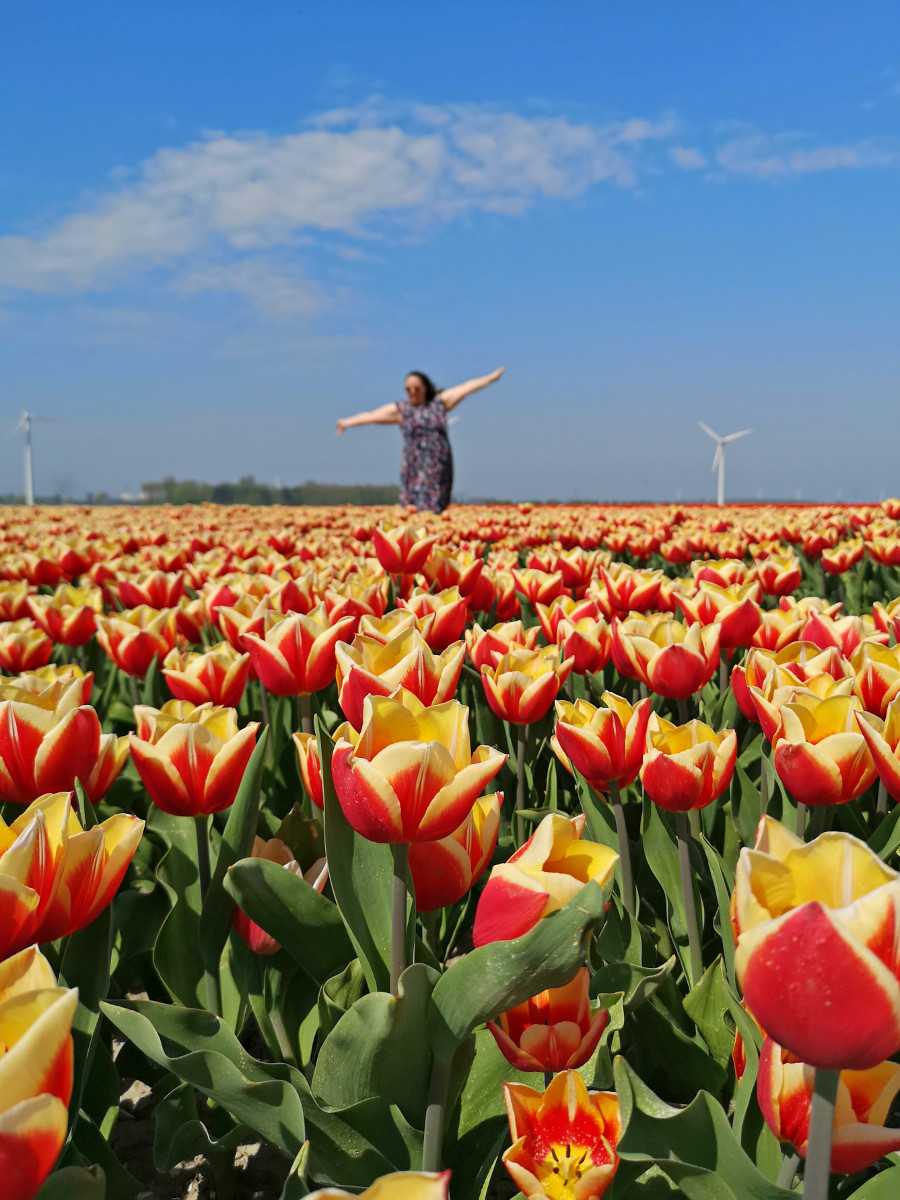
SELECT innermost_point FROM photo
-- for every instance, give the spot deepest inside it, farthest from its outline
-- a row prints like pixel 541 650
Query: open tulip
pixel 734 609
pixel 69 616
pixel 603 744
pixel 877 676
pixel 446 568
pixel 779 574
pixel 195 769
pixel 884 745
pixel 42 751
pixel 275 850
pixel 55 688
pixel 781 687
pixel 402 549
pixel 23 646
pixel 409 775
pixel 564 608
pixel 401 1185
pixel 784 1087
pixel 587 642
pixel 367 667
pixel 487 646
pixel 816 954
pixel 819 754
pixel 217 675
pixel 132 639
pixel 802 660
pixel 294 655
pixel 539 587
pixel 36 1071
pixel 564 1139
pixel 777 629
pixel 155 589
pixel 445 870
pixel 687 766
pixel 539 878
pixel 391 625
pixel 151 723
pixel 310 766
pixel 554 1030
pixel 440 616
pixel 56 877
pixel 630 590
pixel 14 600
pixel 672 660
pixel 524 683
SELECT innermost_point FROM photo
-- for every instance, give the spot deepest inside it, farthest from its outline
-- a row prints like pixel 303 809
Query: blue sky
pixel 224 225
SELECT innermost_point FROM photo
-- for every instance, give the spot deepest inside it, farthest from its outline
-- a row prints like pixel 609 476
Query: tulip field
pixel 521 850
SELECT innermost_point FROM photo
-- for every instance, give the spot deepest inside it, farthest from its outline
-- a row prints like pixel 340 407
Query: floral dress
pixel 426 466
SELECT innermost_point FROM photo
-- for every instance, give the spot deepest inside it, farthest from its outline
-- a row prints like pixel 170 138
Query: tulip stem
pixel 306 722
pixel 817 821
pixel 723 674
pixel 881 803
pixel 201 826
pixel 520 782
pixel 763 784
pixel 435 1112
pixel 615 799
pixel 400 852
pixel 788 1170
pixel 429 932
pixel 264 705
pixel 817 1172
pixel 683 716
pixel 800 827
pixel 135 694
pixel 687 891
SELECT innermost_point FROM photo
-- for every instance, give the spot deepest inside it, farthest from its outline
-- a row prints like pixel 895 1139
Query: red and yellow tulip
pixel 524 683
pixel 603 744
pixel 784 1087
pixel 817 956
pixel 36 1071
pixel 819 753
pixel 443 871
pixel 132 639
pixel 409 775
pixel 367 667
pixel 673 660
pixel 69 616
pixel 23 646
pixel 687 766
pixel 539 878
pixel 217 675
pixel 553 1031
pixel 401 1185
pixel 56 877
pixel 564 1139
pixel 195 768
pixel 402 549
pixel 295 655
pixel 310 766
pixel 275 850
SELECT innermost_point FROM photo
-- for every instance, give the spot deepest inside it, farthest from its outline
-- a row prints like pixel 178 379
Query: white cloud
pixel 275 293
pixel 687 158
pixel 354 171
pixel 761 156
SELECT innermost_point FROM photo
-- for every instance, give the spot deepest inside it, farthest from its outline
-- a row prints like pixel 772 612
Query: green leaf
pixel 204 1052
pixel 723 885
pixel 176 952
pixel 706 1004
pixel 179 1135
pixel 745 802
pixel 666 1054
pixel 637 984
pixel 295 1185
pixel 303 922
pixel 237 842
pixel 85 965
pixel 379 1048
pixel 338 994
pixel 360 872
pixel 661 852
pixel 695 1146
pixel 87 1146
pixel 74 1183
pixel 500 975
pixel 883 1186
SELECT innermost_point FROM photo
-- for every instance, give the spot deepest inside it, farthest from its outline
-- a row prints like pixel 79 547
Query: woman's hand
pixel 339 426
pixel 495 375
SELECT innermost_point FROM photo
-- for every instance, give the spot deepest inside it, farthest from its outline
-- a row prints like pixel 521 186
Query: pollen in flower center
pixel 562 1169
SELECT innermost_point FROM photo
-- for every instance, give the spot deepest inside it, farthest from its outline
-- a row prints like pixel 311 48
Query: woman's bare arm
pixel 452 396
pixel 388 414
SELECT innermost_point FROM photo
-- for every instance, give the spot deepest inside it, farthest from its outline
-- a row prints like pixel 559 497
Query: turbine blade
pixel 731 436
pixel 706 429
pixel 717 457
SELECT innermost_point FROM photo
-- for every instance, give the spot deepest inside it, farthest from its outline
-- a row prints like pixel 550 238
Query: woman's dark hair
pixel 430 390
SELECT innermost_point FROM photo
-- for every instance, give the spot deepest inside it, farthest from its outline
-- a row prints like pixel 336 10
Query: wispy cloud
pixel 687 158
pixel 762 156
pixel 275 292
pixel 352 171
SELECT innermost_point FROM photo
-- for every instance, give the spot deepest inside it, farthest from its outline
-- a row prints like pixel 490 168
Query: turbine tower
pixel 25 423
pixel 719 456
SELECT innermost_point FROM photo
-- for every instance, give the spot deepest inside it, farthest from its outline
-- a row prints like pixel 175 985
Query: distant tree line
pixel 248 491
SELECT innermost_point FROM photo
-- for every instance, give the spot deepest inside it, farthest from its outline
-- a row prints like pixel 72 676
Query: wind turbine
pixel 25 423
pixel 719 456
